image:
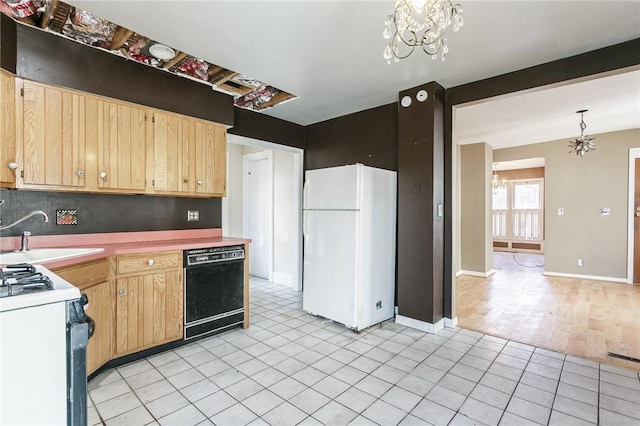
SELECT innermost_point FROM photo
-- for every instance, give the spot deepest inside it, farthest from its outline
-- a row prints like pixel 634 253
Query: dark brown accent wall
pixel 106 212
pixel 420 192
pixel 47 58
pixel 8 43
pixel 368 137
pixel 262 127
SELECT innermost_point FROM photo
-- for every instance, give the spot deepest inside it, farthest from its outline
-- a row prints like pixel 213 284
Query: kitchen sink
pixel 43 255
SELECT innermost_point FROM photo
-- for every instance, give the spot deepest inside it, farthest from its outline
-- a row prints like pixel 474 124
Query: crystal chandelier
pixel 420 23
pixel 585 142
pixel 496 182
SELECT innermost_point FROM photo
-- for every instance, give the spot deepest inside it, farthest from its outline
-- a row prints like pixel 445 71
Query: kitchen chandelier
pixel 420 23
pixel 496 182
pixel 585 142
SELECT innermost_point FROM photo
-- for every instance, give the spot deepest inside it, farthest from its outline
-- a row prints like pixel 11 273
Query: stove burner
pixel 22 279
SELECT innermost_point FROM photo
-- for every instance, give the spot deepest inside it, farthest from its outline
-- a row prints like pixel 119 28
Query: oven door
pixel 213 290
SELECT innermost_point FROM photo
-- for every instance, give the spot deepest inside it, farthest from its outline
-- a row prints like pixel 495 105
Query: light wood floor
pixel 585 318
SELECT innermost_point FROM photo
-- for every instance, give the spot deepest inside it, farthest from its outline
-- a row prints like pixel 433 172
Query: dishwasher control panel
pixel 194 257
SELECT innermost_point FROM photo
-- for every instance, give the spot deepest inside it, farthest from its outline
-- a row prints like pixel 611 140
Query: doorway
pixel 284 216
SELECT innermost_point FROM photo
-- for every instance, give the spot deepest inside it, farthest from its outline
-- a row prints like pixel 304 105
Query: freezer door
pixel 330 265
pixel 334 188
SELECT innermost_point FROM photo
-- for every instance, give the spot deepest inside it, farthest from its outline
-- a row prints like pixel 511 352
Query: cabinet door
pixel 168 148
pixel 189 156
pixel 210 159
pixel 100 309
pixel 53 136
pixel 121 144
pixel 148 311
pixel 8 146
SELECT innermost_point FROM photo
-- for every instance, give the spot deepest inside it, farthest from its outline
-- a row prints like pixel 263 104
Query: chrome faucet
pixel 24 241
pixel 33 213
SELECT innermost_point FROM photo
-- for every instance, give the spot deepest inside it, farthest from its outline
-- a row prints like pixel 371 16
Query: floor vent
pixel 627 358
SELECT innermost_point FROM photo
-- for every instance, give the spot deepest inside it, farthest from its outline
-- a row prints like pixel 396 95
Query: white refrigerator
pixel 349 228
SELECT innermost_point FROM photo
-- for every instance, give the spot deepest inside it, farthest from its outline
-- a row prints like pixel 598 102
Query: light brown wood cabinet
pixel 65 140
pixel 189 156
pixel 149 300
pixel 53 136
pixel 120 133
pixel 8 147
pixel 92 278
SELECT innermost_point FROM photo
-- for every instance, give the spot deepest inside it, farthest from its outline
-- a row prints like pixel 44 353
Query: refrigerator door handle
pixel 304 193
pixel 305 237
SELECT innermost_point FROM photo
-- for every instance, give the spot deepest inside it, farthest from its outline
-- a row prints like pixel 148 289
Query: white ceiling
pixel 329 54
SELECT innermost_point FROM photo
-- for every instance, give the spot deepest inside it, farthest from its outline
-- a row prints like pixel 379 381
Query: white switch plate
pixel 605 211
pixel 560 211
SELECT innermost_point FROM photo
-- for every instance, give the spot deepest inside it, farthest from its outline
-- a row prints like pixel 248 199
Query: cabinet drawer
pixel 148 262
pixel 85 274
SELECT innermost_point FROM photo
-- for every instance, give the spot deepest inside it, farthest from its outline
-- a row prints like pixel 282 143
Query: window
pixel 518 211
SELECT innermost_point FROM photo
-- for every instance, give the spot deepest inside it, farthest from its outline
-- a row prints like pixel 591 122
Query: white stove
pixel 23 286
pixel 44 336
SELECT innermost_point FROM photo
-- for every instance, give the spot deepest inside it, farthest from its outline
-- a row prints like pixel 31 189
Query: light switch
pixel 560 211
pixel 605 211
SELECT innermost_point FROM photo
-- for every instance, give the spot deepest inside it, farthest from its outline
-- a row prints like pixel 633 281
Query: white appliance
pixel 38 332
pixel 349 244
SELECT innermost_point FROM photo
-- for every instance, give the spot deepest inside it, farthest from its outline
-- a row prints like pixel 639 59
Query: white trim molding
pixel 476 274
pixel 633 154
pixel 420 325
pixel 284 279
pixel 451 322
pixel 585 277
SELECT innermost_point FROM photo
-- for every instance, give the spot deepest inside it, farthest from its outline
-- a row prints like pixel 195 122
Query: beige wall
pixel 582 186
pixel 476 253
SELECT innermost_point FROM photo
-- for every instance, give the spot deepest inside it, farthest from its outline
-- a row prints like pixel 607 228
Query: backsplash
pixel 96 213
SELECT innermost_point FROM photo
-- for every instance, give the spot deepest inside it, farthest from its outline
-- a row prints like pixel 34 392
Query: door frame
pixel 633 154
pixel 298 171
pixel 267 154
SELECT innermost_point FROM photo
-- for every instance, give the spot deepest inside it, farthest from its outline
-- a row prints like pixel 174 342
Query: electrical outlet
pixel 193 215
pixel 580 262
pixel 560 211
pixel 379 304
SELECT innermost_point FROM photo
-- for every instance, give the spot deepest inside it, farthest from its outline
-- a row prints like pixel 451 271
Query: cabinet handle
pixel 199 182
pixel 103 175
pixel 12 166
pixel 80 173
pixel 122 292
pixel 150 262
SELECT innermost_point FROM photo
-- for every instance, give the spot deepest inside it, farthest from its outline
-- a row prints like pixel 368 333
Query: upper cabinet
pixel 8 147
pixel 58 139
pixel 120 133
pixel 53 136
pixel 189 156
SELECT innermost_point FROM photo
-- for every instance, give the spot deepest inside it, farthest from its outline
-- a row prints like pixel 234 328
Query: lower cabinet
pixel 92 278
pixel 100 309
pixel 148 301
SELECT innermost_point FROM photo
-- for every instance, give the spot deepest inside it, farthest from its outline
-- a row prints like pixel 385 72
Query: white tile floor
pixel 292 368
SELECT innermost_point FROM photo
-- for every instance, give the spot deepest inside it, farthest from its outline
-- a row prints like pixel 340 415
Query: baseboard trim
pixel 586 277
pixel 451 322
pixel 282 278
pixel 476 274
pixel 420 325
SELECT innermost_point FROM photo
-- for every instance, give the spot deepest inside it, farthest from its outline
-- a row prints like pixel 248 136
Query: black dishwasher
pixel 213 289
